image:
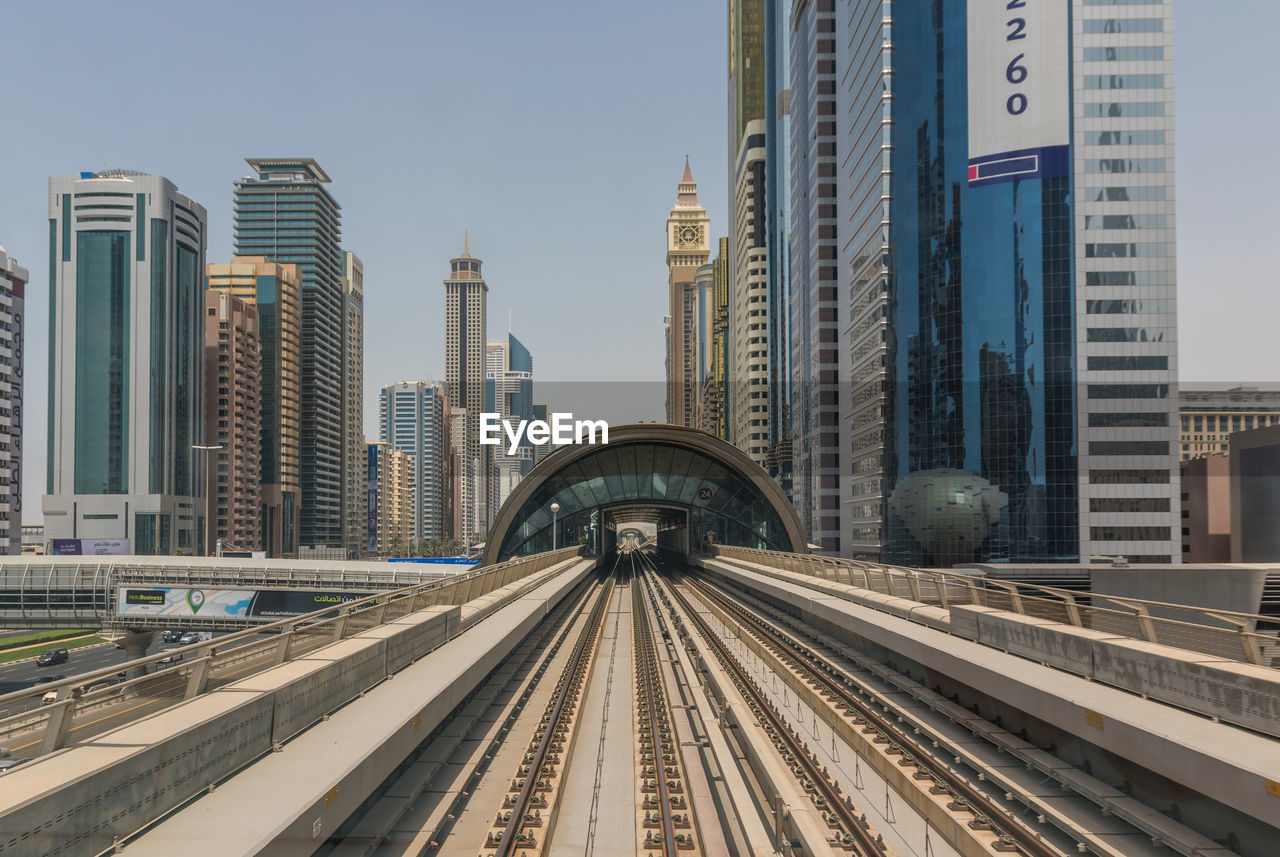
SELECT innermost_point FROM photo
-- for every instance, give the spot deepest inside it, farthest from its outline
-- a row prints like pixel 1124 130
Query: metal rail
pixel 559 710
pixel 652 708
pixel 824 793
pixel 801 658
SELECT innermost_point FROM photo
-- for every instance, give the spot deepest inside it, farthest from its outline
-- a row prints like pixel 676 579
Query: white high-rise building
pixel 13 284
pixel 1125 281
pixel 411 419
pixel 126 363
pixel 749 314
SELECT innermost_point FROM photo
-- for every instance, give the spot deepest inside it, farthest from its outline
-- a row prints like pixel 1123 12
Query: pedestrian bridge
pixel 141 592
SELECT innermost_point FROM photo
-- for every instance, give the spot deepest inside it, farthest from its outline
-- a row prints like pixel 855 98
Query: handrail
pixel 1136 618
pixel 291 641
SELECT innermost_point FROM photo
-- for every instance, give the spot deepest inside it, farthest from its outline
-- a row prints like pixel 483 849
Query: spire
pixel 687 190
pixel 464 243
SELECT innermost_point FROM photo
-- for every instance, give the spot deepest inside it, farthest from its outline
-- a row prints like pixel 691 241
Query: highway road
pixel 25 674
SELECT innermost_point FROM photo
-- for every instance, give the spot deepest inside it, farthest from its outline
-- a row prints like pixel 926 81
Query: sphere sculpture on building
pixel 950 513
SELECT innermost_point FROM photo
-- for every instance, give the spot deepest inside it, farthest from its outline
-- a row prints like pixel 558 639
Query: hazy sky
pixel 554 132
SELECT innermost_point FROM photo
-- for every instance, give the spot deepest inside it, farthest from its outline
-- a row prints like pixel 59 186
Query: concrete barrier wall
pixel 1232 766
pixel 344 670
pixel 409 636
pixel 1242 694
pixel 60 809
pixel 77 801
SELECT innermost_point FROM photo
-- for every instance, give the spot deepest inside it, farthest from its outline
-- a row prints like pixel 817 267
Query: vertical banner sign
pixel 1019 90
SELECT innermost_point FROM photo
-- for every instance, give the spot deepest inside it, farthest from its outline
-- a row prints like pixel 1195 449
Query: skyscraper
pixel 863 256
pixel 1012 267
pixel 274 288
pixel 126 360
pixel 354 454
pixel 411 418
pixel 704 343
pixel 749 263
pixel 688 248
pixel 509 392
pixel 13 286
pixel 465 300
pixel 717 397
pixel 233 420
pixel 817 315
pixel 390 500
pixel 285 213
pixel 1125 275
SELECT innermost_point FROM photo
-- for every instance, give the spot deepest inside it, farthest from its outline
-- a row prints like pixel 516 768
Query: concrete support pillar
pixel 135 646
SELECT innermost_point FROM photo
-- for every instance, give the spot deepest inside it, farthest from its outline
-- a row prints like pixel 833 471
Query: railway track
pixel 834 684
pixel 850 830
pixel 666 820
pixel 520 829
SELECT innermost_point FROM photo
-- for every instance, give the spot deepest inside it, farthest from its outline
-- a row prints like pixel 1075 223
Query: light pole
pixel 555 510
pixel 208 489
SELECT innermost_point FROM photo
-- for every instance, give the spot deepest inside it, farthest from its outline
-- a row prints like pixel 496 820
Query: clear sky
pixel 554 132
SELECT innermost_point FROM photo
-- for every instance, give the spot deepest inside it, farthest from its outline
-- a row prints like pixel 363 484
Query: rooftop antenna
pixel 508 321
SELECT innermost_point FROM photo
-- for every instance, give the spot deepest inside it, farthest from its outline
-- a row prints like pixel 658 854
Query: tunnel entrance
pixel 684 485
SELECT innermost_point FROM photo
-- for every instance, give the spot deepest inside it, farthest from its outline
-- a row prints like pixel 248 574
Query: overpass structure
pixel 724 699
pixel 145 592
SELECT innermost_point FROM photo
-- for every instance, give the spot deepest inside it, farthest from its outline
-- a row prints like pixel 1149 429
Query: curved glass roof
pixel 721 502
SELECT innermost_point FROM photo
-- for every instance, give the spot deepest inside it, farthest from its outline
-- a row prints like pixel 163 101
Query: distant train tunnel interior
pixel 677 486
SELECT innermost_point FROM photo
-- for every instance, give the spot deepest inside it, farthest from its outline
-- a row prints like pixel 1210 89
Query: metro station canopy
pixel 722 493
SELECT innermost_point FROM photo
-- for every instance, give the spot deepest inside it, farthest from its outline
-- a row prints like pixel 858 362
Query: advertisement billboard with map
pixel 263 604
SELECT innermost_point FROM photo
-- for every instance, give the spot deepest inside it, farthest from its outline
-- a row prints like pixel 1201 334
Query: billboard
pixel 91 547
pixel 1019 90
pixel 263 604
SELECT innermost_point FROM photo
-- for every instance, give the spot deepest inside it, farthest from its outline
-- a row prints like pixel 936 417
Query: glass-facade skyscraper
pixel 1004 206
pixel 126 357
pixel 285 213
pixel 981 419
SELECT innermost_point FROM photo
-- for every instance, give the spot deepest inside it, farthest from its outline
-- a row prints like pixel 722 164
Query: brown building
pixel 274 289
pixel 233 417
pixel 1255 495
pixel 390 500
pixel 1206 509
pixel 688 248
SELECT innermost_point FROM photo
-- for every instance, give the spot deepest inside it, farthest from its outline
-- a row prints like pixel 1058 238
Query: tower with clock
pixel 688 248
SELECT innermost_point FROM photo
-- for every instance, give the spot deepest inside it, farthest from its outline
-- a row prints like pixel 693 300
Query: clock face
pixel 688 236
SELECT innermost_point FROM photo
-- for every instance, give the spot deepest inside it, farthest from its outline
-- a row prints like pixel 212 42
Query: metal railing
pixel 1222 633
pixel 89 699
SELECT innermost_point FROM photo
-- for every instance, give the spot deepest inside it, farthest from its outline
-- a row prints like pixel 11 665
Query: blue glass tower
pixel 981 424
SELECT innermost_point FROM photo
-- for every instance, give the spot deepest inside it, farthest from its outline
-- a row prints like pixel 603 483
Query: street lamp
pixel 555 509
pixel 208 489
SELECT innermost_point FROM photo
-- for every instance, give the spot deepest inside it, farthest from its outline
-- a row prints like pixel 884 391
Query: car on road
pixel 171 659
pixel 189 638
pixel 49 698
pixel 51 657
pixel 45 679
pixel 173 635
pixel 9 762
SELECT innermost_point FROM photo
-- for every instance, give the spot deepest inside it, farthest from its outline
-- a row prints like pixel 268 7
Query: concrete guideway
pixel 1228 764
pixel 713 707
pixel 169 756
